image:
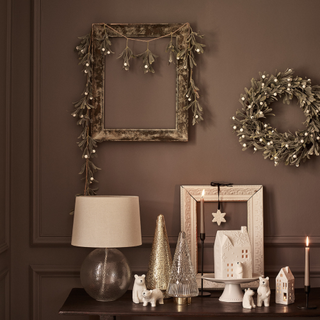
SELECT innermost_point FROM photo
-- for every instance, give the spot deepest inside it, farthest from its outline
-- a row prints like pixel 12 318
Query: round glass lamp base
pixel 105 274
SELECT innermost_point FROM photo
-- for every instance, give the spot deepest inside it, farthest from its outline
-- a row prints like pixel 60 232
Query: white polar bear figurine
pixel 138 287
pixel 238 270
pixel 263 292
pixel 151 296
pixel 247 301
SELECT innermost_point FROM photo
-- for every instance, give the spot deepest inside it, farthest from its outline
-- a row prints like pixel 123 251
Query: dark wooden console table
pixel 79 303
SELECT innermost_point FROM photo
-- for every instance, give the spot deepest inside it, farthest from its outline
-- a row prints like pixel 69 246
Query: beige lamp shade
pixel 106 222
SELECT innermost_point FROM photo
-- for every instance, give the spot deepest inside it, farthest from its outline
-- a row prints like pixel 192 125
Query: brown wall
pixel 5 38
pixel 242 37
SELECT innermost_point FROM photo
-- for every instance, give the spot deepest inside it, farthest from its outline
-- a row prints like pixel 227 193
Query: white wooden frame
pixel 252 194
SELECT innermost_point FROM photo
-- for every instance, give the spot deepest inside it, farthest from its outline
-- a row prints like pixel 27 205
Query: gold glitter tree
pixel 160 259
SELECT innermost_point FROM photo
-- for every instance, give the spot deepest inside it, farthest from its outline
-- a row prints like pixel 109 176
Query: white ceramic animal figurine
pixel 238 270
pixel 263 292
pixel 247 301
pixel 152 296
pixel 138 287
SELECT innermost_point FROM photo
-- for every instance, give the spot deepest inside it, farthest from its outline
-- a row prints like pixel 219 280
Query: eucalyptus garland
pixel 254 133
pixel 84 106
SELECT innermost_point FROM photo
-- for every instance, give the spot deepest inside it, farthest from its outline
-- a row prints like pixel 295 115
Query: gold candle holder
pixel 182 301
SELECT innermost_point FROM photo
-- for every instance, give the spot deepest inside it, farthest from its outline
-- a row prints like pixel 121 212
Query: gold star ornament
pixel 218 217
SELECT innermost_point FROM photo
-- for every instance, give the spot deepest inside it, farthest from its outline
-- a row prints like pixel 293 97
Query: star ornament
pixel 218 217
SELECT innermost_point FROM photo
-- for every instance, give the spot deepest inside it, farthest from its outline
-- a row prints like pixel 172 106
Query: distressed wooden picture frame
pixel 99 132
pixel 251 194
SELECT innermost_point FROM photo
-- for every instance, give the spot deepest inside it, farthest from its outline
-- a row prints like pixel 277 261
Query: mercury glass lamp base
pixel 105 274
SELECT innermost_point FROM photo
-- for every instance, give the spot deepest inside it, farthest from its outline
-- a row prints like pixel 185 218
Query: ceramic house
pixel 285 286
pixel 232 254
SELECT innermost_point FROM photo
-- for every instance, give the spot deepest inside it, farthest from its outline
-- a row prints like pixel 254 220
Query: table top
pixel 80 303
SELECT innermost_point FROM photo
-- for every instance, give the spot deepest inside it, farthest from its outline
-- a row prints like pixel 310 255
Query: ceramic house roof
pixel 286 272
pixel 233 238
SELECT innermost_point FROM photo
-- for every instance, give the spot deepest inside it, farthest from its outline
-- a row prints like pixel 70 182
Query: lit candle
pixel 307 264
pixel 201 212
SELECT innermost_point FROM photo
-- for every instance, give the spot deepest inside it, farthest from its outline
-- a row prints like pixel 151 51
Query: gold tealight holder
pixel 182 301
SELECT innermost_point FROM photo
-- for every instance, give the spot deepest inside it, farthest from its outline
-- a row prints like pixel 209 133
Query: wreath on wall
pixel 254 133
pixel 84 107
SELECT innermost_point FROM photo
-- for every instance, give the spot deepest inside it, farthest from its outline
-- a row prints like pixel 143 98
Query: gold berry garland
pixel 254 133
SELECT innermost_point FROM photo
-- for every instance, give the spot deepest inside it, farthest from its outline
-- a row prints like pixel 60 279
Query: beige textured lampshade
pixel 106 222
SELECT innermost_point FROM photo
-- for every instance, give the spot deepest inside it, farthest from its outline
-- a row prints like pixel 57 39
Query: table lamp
pixel 106 223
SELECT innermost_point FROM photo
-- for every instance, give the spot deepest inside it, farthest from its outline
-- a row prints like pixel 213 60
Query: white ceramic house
pixel 285 286
pixel 232 254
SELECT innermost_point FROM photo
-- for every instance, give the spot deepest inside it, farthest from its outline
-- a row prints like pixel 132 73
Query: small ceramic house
pixel 285 286
pixel 232 254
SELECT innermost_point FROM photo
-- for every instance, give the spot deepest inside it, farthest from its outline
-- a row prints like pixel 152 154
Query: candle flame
pixel 307 242
pixel 203 193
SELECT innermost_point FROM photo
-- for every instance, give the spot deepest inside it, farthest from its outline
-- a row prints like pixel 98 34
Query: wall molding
pixel 298 271
pixel 287 242
pixel 38 273
pixel 36 90
pixel 275 241
pixel 5 276
pixel 291 242
pixel 37 238
pixel 4 246
pixel 40 240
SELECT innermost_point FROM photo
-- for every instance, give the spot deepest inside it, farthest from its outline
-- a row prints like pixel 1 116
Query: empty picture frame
pixel 99 132
pixel 251 194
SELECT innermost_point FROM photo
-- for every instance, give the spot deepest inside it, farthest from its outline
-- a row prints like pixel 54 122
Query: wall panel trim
pixel 4 246
pixel 6 243
pixel 291 242
pixel 37 238
pixel 276 241
pixel 5 276
pixel 36 90
pixel 272 272
pixel 37 273
pixel 288 242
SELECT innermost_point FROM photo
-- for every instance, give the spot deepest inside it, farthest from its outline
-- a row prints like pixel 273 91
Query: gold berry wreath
pixel 255 133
